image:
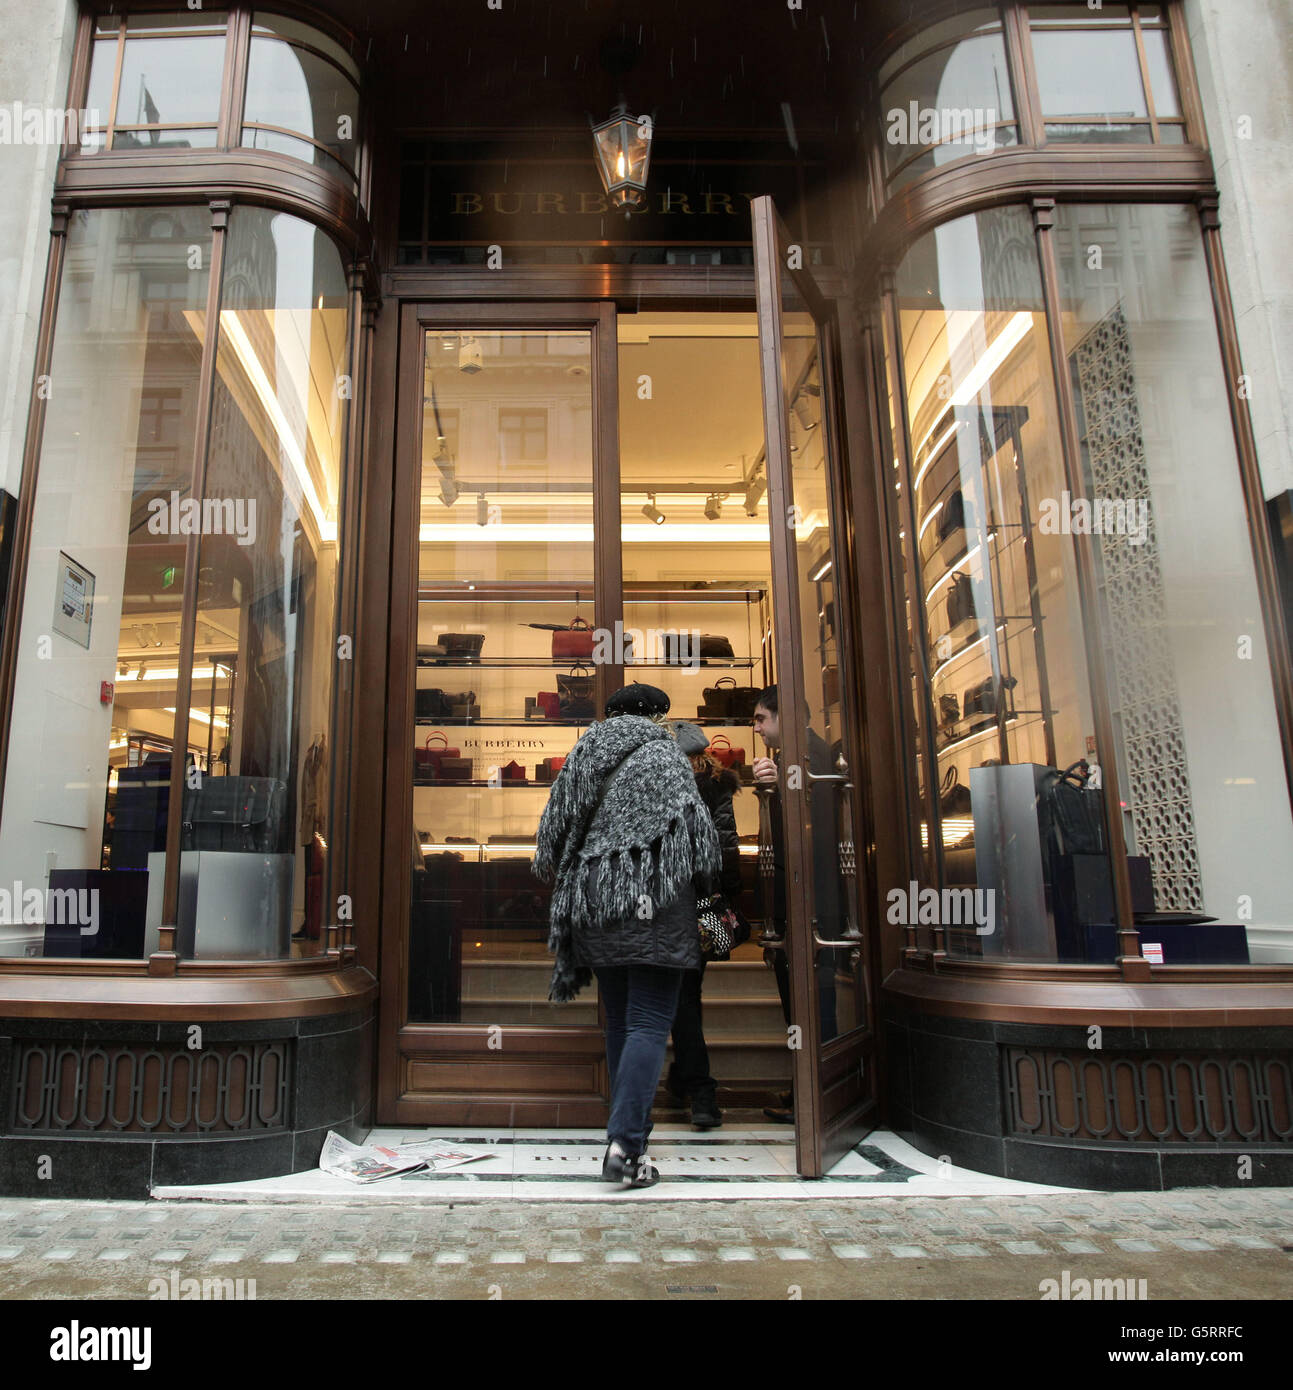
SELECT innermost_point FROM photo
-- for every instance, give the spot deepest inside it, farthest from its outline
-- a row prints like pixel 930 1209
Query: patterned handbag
pixel 719 927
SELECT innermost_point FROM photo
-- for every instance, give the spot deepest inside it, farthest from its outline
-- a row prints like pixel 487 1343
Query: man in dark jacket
pixel 689 1079
pixel 827 901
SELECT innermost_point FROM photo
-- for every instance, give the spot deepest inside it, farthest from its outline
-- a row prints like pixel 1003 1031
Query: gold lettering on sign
pixel 464 203
pixel 586 198
pixel 667 201
pixel 498 203
pixel 544 199
pixel 724 198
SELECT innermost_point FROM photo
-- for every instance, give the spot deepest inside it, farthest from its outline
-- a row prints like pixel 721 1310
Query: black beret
pixel 638 699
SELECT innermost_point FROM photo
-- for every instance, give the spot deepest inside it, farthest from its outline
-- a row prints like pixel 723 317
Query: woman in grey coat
pixel 627 843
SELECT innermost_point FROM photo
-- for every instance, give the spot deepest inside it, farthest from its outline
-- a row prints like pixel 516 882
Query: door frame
pixel 836 1082
pixel 546 1074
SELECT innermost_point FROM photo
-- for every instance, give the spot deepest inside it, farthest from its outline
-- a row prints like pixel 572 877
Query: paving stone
pixel 1054 1228
pixel 1023 1247
pixel 792 1253
pixel 59 1253
pixel 960 1248
pixel 1253 1243
pixel 1107 1227
pixel 1154 1223
pixel 11 1252
pixel 1137 1247
pixel 566 1257
pixel 909 1252
pixel 170 1256
pixel 622 1257
pixel 226 1257
pixel 114 1254
pixel 507 1257
pixel 1215 1223
pixel 736 1253
pixel 451 1257
pixel 338 1257
pixel 851 1252
pixel 995 1230
pixel 1192 1243
pixel 280 1257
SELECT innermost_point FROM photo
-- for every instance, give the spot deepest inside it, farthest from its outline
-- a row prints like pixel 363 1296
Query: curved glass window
pixel 302 96
pixel 1105 75
pixel 155 82
pixel 945 95
pixel 88 789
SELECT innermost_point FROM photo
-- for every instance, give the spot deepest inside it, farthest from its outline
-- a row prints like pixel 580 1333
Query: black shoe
pixel 613 1166
pixel 705 1113
pixel 786 1100
pixel 780 1117
pixel 638 1172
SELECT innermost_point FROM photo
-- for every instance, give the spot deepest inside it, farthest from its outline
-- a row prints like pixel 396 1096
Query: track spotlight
pixel 804 413
pixel 713 506
pixel 469 355
pixel 652 512
pixel 444 464
pixel 482 510
pixel 448 490
pixel 753 493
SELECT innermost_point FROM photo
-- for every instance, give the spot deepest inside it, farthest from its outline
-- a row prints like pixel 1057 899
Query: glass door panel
pixel 813 801
pixel 505 589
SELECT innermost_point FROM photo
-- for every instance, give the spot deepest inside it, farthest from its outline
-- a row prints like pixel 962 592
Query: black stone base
pixel 948 1097
pixel 331 1088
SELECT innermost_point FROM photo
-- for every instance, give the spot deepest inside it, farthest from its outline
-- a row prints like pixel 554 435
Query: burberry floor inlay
pixel 529 1165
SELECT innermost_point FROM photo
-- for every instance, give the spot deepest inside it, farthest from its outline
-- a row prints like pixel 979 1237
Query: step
pixel 723 1016
pixel 528 979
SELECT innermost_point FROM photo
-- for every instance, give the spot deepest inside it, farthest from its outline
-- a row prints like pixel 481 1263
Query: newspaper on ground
pixel 437 1155
pixel 365 1162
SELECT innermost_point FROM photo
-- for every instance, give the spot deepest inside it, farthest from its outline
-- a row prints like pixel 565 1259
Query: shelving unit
pixel 975 529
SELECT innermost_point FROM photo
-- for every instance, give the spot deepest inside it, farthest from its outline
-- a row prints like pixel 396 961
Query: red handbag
pixel 512 772
pixel 547 770
pixel 574 642
pixel 720 748
pixel 549 704
pixel 427 760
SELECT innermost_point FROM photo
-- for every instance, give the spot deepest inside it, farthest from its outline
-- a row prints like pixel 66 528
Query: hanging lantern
pixel 623 147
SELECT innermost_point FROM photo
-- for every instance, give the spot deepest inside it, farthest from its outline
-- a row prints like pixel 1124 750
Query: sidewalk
pixel 1205 1243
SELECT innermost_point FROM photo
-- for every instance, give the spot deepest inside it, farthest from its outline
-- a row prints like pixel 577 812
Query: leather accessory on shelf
pixel 953 796
pixel 549 704
pixel 430 703
pixel 575 693
pixel 242 814
pixel 719 697
pixel 682 648
pixel 428 759
pixel 1073 814
pixel 574 642
pixel 462 644
pixel 952 517
pixel 948 710
pixel 547 770
pixel 512 772
pixel 960 599
pixel 454 769
pixel 429 652
pixel 721 750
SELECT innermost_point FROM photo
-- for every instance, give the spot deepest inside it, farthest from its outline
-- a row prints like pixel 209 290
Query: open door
pixel 811 813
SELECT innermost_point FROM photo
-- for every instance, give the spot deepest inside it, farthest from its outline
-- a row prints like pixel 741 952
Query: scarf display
pixel 626 839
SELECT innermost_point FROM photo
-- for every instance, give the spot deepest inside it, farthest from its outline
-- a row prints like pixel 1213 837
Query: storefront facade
pixel 355 422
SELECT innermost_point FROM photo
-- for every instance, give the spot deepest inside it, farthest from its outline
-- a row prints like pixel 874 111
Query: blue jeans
pixel 640 1003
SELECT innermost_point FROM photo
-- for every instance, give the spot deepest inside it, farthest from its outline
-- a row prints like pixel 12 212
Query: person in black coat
pixel 689 1080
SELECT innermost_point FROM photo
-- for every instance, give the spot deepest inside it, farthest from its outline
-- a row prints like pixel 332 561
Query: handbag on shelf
pixel 462 704
pixel 428 759
pixel 952 517
pixel 239 814
pixel 681 648
pixel 718 698
pixel 982 698
pixel 547 770
pixel 575 694
pixel 721 928
pixel 454 769
pixel 721 750
pixel 549 704
pixel 462 644
pixel 960 599
pixel 948 710
pixel 512 772
pixel 953 795
pixel 430 703
pixel 574 642
pixel 1073 813
pixel 430 652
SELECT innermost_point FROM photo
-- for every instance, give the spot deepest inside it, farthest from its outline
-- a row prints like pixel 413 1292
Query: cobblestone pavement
pixel 1201 1243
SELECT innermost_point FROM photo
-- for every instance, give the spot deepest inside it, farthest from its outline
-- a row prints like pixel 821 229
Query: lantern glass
pixel 623 153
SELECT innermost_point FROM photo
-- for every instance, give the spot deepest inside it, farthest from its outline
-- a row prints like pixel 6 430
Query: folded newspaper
pixel 372 1162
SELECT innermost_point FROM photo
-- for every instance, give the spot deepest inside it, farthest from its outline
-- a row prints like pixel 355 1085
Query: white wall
pixel 1243 54
pixel 35 57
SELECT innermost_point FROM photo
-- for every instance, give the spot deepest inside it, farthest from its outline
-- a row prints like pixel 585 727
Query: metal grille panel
pixel 151 1090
